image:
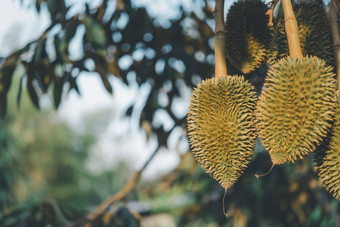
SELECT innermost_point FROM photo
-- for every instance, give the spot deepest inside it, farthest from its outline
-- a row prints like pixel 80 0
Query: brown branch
pixel 220 53
pixel 127 188
pixel 270 11
pixel 54 204
pixel 123 192
pixel 116 197
pixel 17 53
pixel 292 29
pixel 336 38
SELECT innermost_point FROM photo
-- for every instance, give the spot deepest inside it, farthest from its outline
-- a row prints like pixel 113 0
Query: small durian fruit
pixel 248 35
pixel 296 107
pixel 221 126
pixel 314 34
pixel 328 158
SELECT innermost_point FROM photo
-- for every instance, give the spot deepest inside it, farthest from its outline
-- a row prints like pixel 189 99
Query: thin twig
pixel 116 197
pixel 123 192
pixel 57 210
pixel 270 11
pixel 127 188
pixel 220 61
pixel 336 38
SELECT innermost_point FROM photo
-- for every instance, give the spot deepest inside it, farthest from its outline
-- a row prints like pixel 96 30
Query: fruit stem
pixel 224 212
pixel 336 37
pixel 220 53
pixel 270 11
pixel 292 29
pixel 265 174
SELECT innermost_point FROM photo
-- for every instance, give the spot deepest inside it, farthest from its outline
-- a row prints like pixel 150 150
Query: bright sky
pixel 121 138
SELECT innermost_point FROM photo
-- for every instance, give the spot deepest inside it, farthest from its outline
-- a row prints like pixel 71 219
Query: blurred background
pixel 94 94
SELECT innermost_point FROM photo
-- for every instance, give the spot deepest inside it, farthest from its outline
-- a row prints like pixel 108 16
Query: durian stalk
pixel 220 55
pixel 270 12
pixel 292 30
pixel 336 38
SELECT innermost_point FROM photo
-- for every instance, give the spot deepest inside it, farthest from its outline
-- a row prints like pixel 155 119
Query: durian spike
pixel 292 30
pixel 219 42
pixel 265 174
pixel 336 37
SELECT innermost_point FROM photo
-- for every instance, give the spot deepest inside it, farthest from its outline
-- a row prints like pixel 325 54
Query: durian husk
pixel 221 126
pixel 314 34
pixel 248 35
pixel 296 107
pixel 327 157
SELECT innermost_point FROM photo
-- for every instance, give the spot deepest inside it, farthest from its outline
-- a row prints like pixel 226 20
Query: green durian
pixel 296 107
pixel 221 126
pixel 314 34
pixel 248 36
pixel 328 157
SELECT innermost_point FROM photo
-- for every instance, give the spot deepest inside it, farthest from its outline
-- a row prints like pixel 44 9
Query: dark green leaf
pixel 37 6
pixel 107 85
pixel 73 84
pixel 19 91
pixel 33 94
pixel 3 105
pixel 70 29
pixel 58 91
pixel 129 111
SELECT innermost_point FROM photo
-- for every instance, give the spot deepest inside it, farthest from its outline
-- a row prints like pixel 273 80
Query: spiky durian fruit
pixel 248 35
pixel 314 34
pixel 296 107
pixel 221 126
pixel 328 158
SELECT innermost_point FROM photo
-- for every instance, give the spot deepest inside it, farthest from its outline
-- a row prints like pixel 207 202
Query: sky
pixel 121 139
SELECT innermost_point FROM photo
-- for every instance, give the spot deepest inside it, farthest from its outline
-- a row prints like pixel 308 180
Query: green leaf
pixel 107 84
pixel 3 105
pixel 33 94
pixel 58 91
pixel 73 84
pixel 95 33
pixel 19 91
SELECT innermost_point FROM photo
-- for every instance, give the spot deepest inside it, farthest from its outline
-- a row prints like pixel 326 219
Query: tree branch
pixel 220 53
pixel 126 189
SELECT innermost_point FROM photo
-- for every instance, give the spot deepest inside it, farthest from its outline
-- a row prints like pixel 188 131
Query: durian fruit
pixel 248 36
pixel 221 126
pixel 296 107
pixel 328 157
pixel 314 34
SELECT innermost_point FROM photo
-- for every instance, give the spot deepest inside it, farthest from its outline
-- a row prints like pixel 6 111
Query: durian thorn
pixel 336 37
pixel 270 11
pixel 265 174
pixel 292 30
pixel 224 212
pixel 220 39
